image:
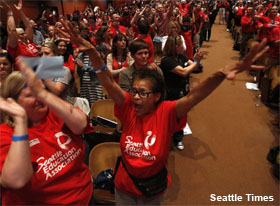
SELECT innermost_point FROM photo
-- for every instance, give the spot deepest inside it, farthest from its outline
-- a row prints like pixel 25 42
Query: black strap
pixel 150 189
pixel 112 190
pixel 133 179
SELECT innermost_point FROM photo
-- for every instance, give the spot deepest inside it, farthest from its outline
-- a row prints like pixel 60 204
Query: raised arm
pixel 11 26
pixel 205 88
pixel 171 7
pixel 17 169
pixel 67 112
pixel 26 22
pixel 104 75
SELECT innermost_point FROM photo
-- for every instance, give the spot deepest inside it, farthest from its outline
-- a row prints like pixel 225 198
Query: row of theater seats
pixel 104 146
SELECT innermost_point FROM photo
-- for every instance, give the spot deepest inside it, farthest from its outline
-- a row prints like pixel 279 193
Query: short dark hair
pixel 156 78
pixel 137 45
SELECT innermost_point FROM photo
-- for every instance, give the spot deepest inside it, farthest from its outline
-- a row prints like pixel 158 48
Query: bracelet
pixel 10 15
pixel 20 138
pixel 101 69
pixel 195 62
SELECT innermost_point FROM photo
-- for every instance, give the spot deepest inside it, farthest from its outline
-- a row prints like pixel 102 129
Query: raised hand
pixel 13 109
pixel 35 84
pixel 247 63
pixel 19 5
pixel 198 56
pixel 84 45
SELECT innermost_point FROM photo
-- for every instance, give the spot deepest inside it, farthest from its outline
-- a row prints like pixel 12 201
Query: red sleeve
pixel 60 123
pixel 12 51
pixel 6 133
pixel 70 64
pixel 175 125
pixel 122 112
pixel 245 21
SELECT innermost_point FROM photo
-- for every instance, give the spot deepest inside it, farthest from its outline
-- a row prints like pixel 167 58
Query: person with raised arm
pixel 20 41
pixel 149 122
pixel 40 136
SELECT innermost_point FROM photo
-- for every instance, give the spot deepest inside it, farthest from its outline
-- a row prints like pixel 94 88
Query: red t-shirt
pixel 271 28
pixel 70 64
pixel 239 13
pixel 149 41
pixel 145 142
pixel 199 18
pixel 116 66
pixel 184 9
pixel 189 43
pixel 247 24
pixel 60 175
pixel 114 31
pixel 27 50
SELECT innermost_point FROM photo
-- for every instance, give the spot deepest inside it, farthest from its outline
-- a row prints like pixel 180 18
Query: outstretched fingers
pixel 68 27
pixel 64 34
pixel 261 53
pixel 257 51
pixel 74 38
pixel 33 82
pixel 258 67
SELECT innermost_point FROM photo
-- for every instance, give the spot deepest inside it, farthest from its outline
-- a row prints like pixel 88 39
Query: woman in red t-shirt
pixel 42 153
pixel 120 58
pixel 149 122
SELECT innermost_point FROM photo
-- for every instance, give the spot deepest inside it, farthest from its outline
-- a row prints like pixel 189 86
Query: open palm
pixel 19 5
pixel 83 44
pixel 247 63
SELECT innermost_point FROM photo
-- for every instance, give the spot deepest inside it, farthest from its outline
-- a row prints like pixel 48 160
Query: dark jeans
pixel 178 136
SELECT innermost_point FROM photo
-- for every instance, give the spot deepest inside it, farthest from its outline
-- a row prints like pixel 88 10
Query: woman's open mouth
pixel 137 107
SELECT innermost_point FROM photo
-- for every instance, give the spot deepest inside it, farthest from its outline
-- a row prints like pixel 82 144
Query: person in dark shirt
pixel 176 68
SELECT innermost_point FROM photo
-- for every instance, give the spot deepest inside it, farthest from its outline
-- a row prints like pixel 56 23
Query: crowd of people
pixel 142 54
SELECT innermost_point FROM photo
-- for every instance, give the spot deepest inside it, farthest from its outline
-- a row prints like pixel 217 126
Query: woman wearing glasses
pixel 149 122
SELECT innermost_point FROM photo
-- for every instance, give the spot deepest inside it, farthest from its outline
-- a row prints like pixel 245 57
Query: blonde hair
pixel 52 46
pixel 11 88
pixel 170 48
pixel 170 25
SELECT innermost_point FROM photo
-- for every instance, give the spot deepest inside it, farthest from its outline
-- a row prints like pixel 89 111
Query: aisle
pixel 226 154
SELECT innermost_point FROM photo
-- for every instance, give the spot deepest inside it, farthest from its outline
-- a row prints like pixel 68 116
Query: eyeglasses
pixel 142 94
